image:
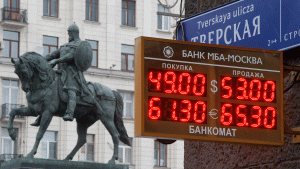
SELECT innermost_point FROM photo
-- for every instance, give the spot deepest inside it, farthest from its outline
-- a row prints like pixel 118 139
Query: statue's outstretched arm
pixel 53 55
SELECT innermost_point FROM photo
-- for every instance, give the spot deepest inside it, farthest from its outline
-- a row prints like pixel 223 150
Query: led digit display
pixel 208 92
pixel 177 110
pixel 177 82
pixel 248 89
pixel 254 116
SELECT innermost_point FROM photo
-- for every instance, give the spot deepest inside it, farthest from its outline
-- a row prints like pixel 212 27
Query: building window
pixel 162 21
pixel 10 94
pixel 50 44
pixel 91 10
pixel 87 150
pixel 11 9
pixel 128 12
pixel 127 57
pixel 94 45
pixel 125 153
pixel 8 146
pixel 11 42
pixel 128 104
pixel 50 8
pixel 49 145
pixel 160 154
pixel 11 5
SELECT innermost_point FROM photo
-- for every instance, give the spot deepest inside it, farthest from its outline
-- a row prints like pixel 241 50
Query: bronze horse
pixel 44 96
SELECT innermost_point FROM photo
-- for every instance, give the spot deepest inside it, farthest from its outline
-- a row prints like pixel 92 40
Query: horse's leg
pixel 81 132
pixel 23 111
pixel 46 119
pixel 108 122
pixel 37 122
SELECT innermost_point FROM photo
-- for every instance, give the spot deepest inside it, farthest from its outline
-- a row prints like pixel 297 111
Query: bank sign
pixel 264 24
pixel 186 90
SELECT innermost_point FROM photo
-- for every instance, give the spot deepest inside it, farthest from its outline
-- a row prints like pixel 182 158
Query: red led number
pixel 184 83
pixel 255 86
pixel 241 115
pixel 253 90
pixel 171 82
pixel 170 78
pixel 255 116
pixel 156 80
pixel 269 88
pixel 241 90
pixel 154 112
pixel 171 107
pixel 185 113
pixel 227 89
pixel 226 117
pixel 269 120
pixel 199 82
pixel 258 117
pixel 177 110
pixel 200 109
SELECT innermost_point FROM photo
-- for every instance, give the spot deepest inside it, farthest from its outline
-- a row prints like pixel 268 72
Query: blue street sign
pixel 264 24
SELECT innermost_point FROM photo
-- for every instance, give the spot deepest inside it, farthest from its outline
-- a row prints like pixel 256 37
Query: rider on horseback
pixel 72 78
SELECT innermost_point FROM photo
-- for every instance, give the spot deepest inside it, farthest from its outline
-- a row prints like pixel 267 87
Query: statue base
pixel 37 163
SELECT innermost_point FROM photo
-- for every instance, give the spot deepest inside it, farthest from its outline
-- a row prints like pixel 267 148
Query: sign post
pixel 188 90
pixel 271 24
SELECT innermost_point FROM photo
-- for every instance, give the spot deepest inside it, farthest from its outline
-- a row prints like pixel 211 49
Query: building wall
pixel 110 35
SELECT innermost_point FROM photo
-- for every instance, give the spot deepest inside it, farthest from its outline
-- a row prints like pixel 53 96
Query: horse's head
pixel 33 70
pixel 24 72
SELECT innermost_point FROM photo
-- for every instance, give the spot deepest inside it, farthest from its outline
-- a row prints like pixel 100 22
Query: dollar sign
pixel 214 87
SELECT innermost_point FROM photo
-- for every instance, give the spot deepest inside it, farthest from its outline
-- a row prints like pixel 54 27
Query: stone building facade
pixel 111 27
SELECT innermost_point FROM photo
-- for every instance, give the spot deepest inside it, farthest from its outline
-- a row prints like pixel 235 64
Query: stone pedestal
pixel 26 163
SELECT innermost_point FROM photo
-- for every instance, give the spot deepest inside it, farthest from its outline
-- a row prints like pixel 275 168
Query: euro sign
pixel 213 113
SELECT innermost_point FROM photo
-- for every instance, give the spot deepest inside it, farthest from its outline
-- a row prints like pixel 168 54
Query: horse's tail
pixel 118 120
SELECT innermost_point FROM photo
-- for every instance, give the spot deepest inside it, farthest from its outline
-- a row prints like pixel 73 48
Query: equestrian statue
pixel 65 93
